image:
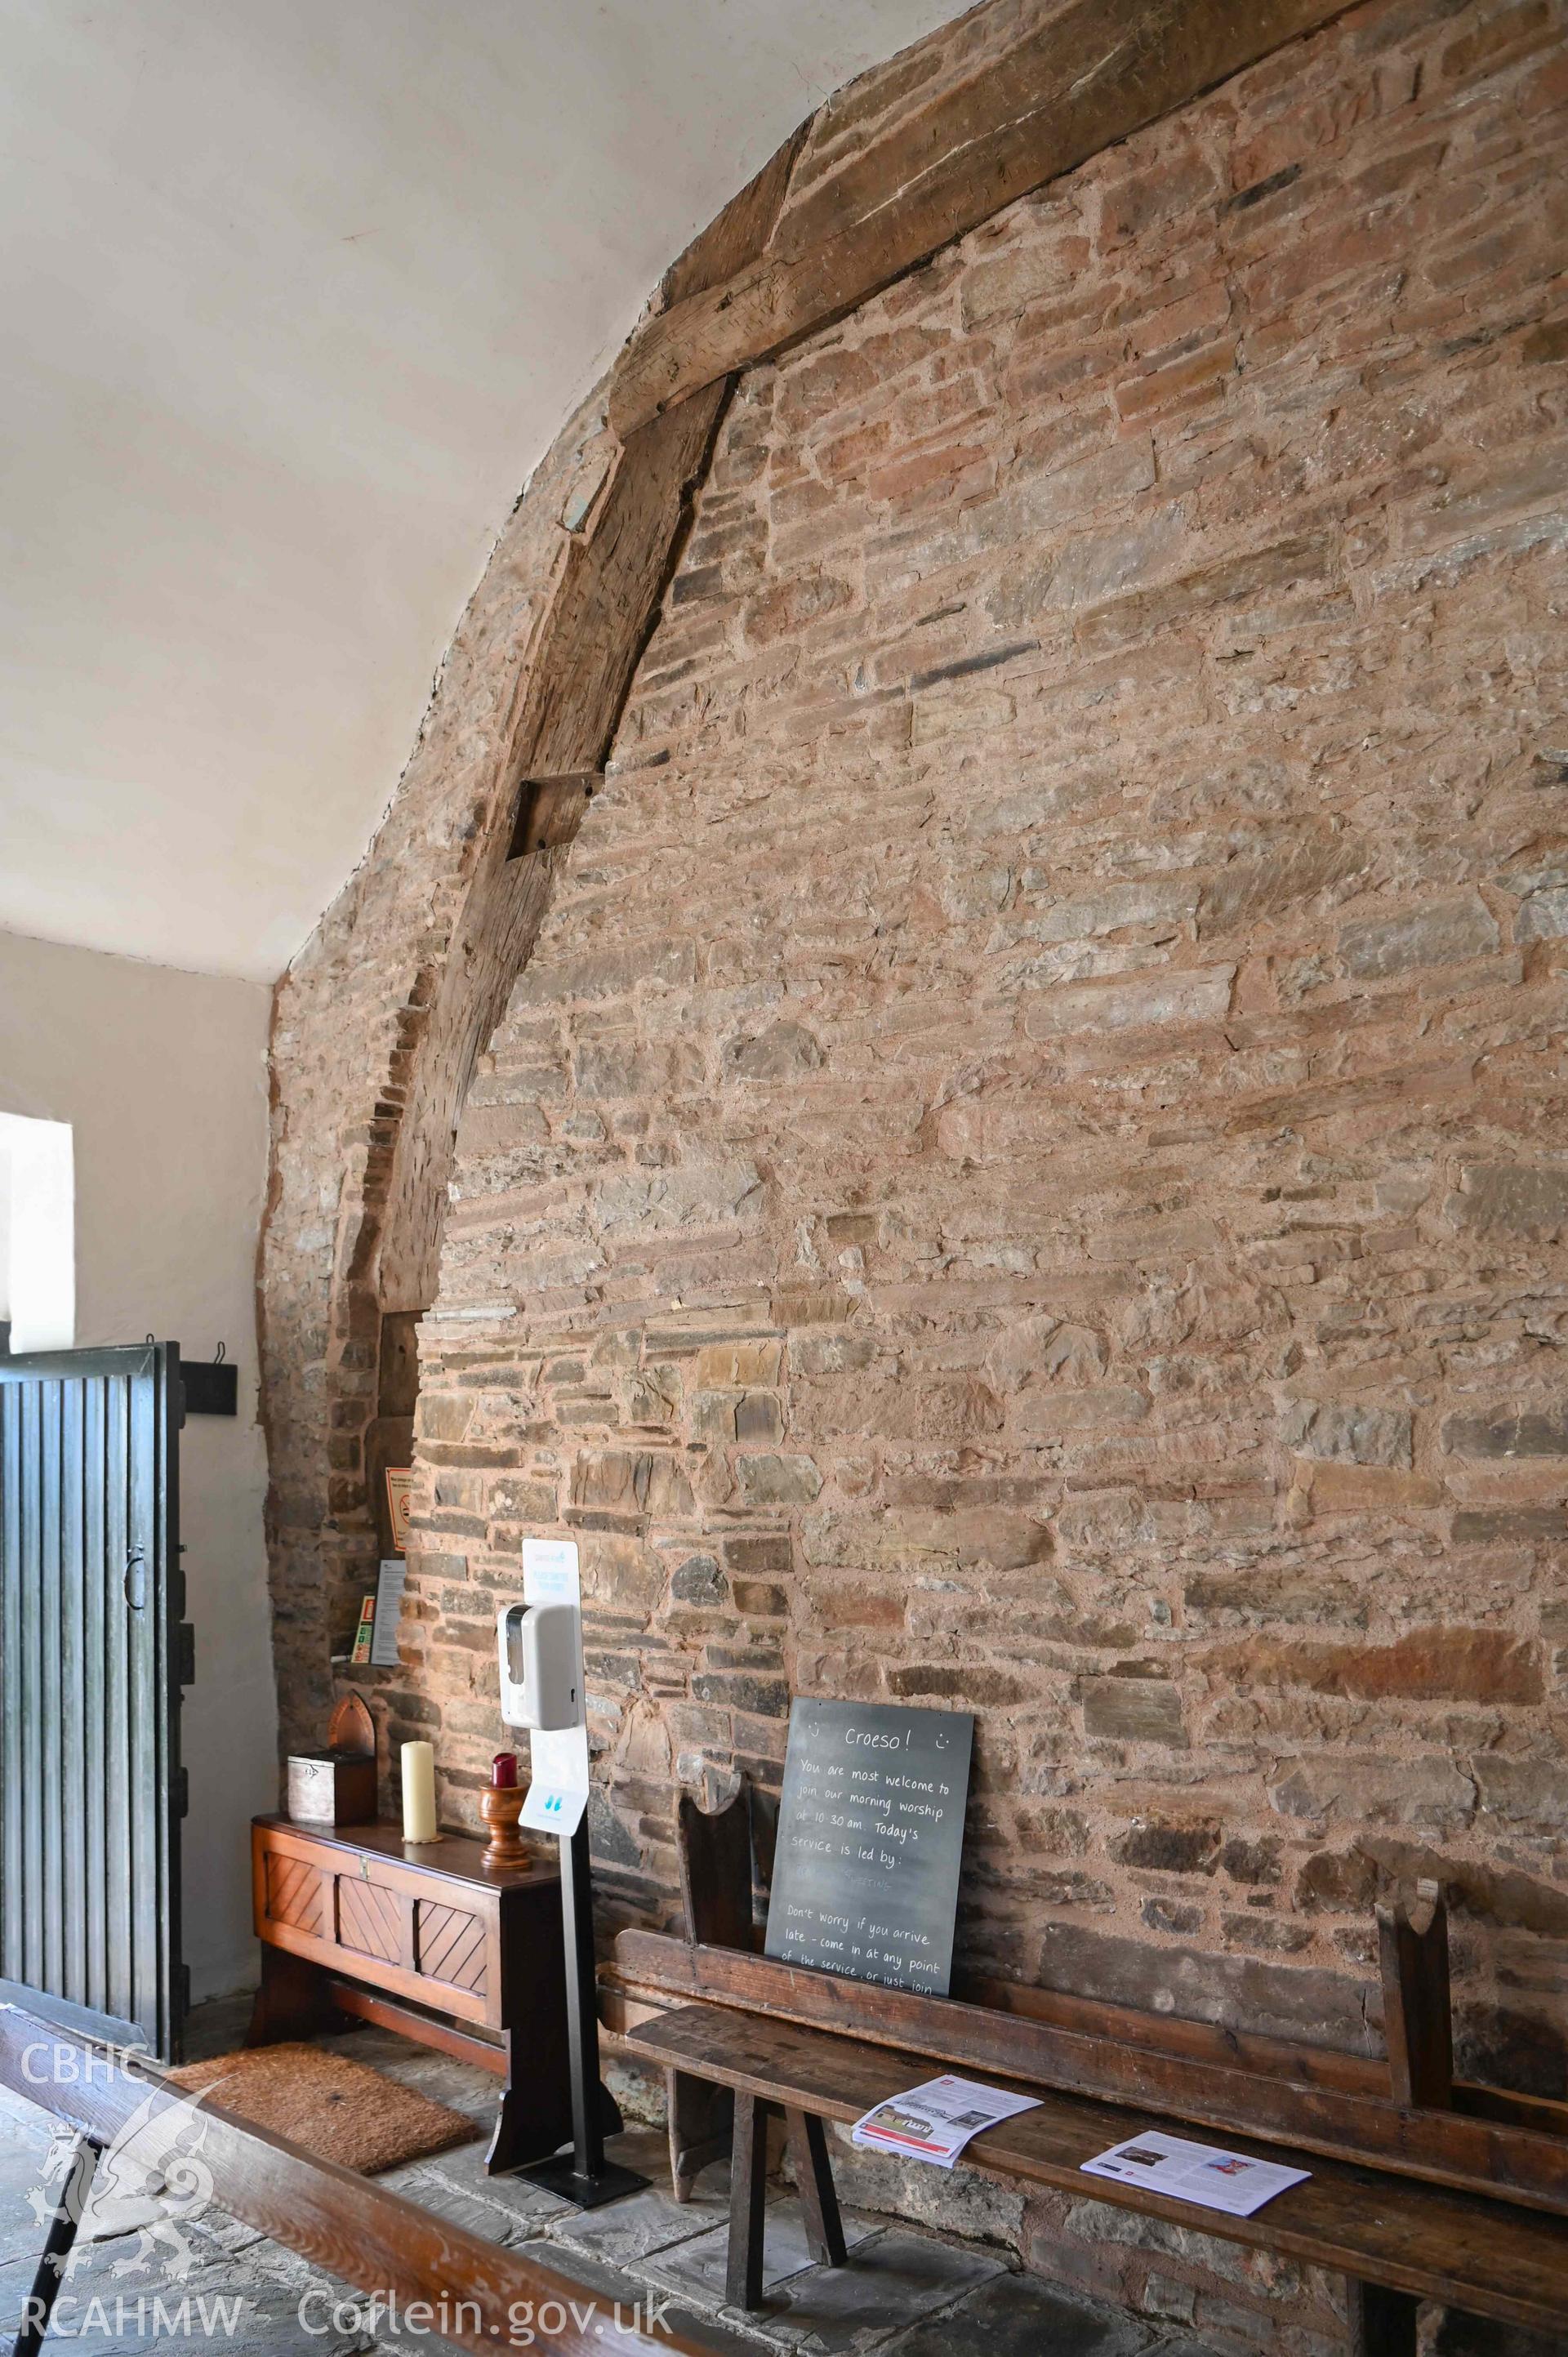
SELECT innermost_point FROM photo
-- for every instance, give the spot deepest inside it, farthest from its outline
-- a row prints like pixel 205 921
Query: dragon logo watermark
pixel 151 2184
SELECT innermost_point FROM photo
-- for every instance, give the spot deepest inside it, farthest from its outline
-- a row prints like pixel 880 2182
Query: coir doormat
pixel 334 2108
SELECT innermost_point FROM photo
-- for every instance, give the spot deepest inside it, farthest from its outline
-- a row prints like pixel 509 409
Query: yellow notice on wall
pixel 400 1503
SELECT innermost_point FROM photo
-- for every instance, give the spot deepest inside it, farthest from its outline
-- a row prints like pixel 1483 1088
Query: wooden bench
pixel 1422 2185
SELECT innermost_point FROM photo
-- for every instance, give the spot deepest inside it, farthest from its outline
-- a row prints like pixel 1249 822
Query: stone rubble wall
pixel 1026 1170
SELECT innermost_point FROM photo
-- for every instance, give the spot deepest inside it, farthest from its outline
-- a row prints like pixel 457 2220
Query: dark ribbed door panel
pixel 91 1651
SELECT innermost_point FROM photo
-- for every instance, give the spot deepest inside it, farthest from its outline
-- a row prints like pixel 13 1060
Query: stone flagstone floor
pixel 905 2293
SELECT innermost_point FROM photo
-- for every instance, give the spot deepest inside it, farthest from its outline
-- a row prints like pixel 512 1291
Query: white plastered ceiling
pixel 293 294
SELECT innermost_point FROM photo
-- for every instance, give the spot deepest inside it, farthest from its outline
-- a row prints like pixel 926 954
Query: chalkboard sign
pixel 870 1839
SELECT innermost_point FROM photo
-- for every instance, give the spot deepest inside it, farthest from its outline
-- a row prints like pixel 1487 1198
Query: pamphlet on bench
pixel 1231 2181
pixel 934 2121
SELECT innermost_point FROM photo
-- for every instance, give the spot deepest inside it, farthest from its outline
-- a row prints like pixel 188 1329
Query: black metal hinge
pixel 184 1653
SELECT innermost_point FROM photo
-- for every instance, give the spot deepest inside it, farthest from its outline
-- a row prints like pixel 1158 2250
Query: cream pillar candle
pixel 418 1792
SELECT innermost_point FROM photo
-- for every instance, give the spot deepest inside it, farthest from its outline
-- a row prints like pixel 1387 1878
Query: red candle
pixel 503 1771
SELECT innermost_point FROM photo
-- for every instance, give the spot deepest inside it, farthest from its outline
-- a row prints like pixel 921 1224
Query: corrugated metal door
pixel 93 1655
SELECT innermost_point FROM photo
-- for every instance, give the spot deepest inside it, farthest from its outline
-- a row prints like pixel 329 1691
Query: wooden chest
pixel 423 1921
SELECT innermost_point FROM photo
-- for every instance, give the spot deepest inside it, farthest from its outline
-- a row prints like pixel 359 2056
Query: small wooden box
pixel 332 1788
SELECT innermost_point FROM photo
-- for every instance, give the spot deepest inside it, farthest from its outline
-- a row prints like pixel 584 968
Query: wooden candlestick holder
pixel 501 1805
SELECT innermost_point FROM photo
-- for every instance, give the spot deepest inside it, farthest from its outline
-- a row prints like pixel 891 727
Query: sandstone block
pixel 1256 1862
pixel 760 1697
pixel 1172 1915
pixel 443 1415
pixel 698 1581
pixel 1299 559
pixel 1337 1882
pixel 1528 1433
pixel 971 1536
pixel 1169 1848
pixel 792 606
pixel 1529 1794
pixel 1270 1934
pixel 713 1419
pixel 1511 1199
pixel 1062 1415
pixel 1133 1709
pixel 1255 886
pixel 735 1366
pixel 613 1479
pixel 758 1415
pixel 684 1198
pixel 1161 900
pixel 832 1354
pixel 760 1554
pixel 1433 1664
pixel 609 974
pixel 1047 1349
pixel 1517 1525
pixel 759 1599
pixel 774 1480
pixel 854 1603
pixel 1012 281
pixel 970 1686
pixel 1049 500
pixel 1341 1489
pixel 625 1067
pixel 1449 932
pixel 779 1053
pixel 1428 1791
pixel 1199 996
pixel 1543 916
pixel 1349 1430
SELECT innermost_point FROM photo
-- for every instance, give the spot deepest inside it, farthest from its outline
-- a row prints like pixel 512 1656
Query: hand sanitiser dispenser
pixel 541 1657
pixel 540 1642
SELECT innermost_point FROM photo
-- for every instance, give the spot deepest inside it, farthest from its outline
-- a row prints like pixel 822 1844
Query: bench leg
pixel 814 2177
pixel 1383 2323
pixel 700 2118
pixel 748 2193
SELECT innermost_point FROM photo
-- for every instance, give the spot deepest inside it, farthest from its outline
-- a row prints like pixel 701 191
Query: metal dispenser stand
pixel 541 1647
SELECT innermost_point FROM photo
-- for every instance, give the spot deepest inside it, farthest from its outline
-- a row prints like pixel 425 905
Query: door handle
pixel 135 1572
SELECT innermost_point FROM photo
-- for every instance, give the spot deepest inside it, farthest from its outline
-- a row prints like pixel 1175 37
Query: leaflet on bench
pixel 1231 2181
pixel 935 2120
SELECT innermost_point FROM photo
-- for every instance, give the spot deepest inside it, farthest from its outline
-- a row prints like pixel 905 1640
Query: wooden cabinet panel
pixel 294 1893
pixel 451 1945
pixel 369 1920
